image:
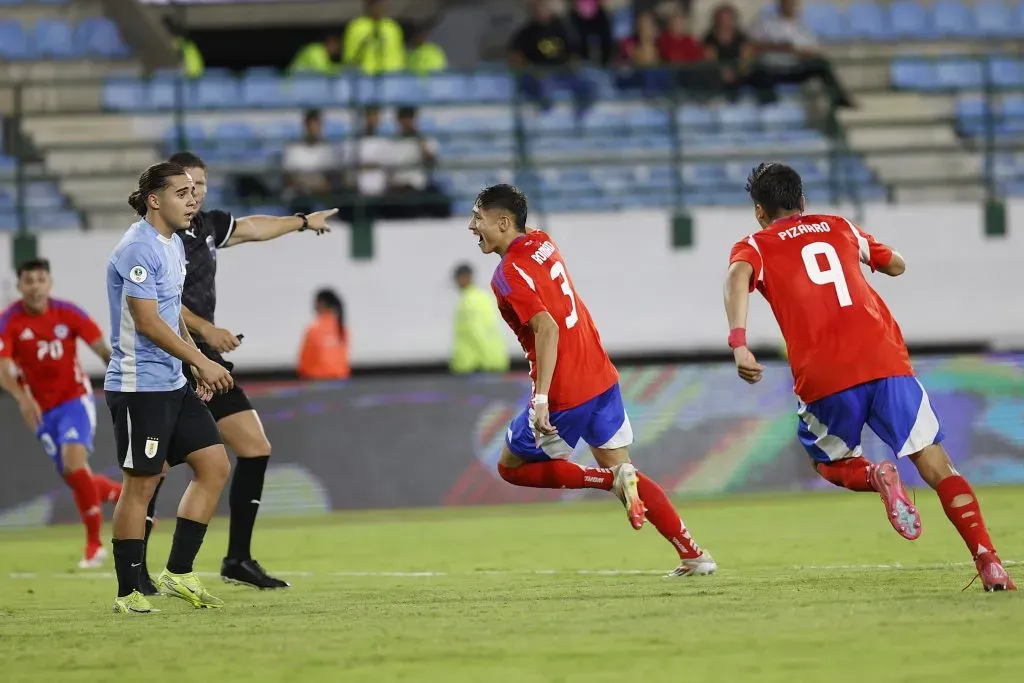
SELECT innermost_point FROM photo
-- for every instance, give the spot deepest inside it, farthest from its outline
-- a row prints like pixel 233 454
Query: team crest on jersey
pixel 138 275
pixel 61 331
pixel 152 445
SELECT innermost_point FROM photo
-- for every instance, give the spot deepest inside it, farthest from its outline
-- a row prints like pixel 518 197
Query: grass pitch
pixel 810 588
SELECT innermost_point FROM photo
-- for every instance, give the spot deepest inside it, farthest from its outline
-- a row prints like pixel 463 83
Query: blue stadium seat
pixel 994 18
pixel 909 19
pixel 262 90
pixel 1006 71
pixel 970 115
pixel 282 131
pixel 401 89
pixel 496 87
pixel 335 129
pixel 307 90
pixel 234 131
pixel 14 42
pixel 53 39
pixel 914 74
pixel 448 88
pixel 217 92
pixel 827 21
pixel 125 94
pixel 952 19
pixel 783 115
pixel 100 37
pixel 868 21
pixel 738 117
pixel 622 23
pixel 955 73
pixel 695 120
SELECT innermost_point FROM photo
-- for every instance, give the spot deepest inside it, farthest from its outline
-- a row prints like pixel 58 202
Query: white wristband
pixel 540 399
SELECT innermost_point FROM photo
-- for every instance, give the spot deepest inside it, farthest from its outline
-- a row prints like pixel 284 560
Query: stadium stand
pixel 915 134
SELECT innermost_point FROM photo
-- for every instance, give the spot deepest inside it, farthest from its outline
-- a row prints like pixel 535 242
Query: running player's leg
pixel 609 435
pixel 830 430
pixel 542 461
pixel 904 418
pixel 243 432
pixel 142 433
pixel 106 488
pixel 196 441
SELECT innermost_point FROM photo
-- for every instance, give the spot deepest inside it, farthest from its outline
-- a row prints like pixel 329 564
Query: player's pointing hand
pixel 318 221
pixel 747 367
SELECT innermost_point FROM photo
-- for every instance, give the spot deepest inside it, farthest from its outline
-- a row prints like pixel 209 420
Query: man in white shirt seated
pixel 412 158
pixel 789 52
pixel 310 163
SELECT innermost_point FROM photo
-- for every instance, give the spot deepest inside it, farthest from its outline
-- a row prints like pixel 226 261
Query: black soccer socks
pixel 128 564
pixel 188 537
pixel 245 496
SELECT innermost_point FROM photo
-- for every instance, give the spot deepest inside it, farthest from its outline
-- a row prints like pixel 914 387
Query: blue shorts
pixel 601 422
pixel 897 409
pixel 70 422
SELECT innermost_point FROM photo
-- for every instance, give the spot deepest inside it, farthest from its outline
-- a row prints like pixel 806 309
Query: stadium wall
pixel 381 442
pixel 646 297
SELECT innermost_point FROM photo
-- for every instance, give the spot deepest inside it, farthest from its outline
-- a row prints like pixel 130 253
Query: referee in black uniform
pixel 238 422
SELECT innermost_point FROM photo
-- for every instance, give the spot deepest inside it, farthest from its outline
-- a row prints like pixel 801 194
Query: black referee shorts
pixel 229 403
pixel 154 427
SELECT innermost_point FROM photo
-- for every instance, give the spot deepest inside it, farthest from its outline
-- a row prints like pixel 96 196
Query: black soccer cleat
pixel 146 586
pixel 249 573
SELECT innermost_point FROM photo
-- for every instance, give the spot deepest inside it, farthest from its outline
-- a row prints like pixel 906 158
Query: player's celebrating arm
pixel 39 337
pixel 850 364
pixel 239 424
pixel 159 421
pixel 576 391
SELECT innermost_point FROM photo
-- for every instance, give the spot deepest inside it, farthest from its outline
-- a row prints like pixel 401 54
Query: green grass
pixel 810 588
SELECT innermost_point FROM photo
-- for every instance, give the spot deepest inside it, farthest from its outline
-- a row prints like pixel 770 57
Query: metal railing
pixel 661 138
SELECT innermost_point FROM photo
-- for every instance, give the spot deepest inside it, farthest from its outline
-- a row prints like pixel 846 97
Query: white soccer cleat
pixel 93 560
pixel 626 487
pixel 702 565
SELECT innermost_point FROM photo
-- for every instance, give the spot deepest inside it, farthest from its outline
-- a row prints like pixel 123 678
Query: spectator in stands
pixel 323 57
pixel 727 46
pixel 678 47
pixel 640 60
pixel 790 53
pixel 309 164
pixel 192 62
pixel 412 157
pixel 479 342
pixel 593 29
pixel 545 47
pixel 424 57
pixel 324 352
pixel 374 42
pixel 368 159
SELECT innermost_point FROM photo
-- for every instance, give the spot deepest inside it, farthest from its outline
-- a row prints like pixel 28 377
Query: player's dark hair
pixel 330 300
pixel 187 160
pixel 152 180
pixel 507 198
pixel 776 187
pixel 33 264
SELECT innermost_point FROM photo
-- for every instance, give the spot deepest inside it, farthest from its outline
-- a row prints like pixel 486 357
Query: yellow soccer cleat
pixel 189 588
pixel 133 603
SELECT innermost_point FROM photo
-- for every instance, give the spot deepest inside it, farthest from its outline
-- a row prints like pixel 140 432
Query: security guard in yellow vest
pixel 373 42
pixel 479 342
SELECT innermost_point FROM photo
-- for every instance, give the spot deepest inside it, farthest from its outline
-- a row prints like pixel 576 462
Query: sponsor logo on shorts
pixel 152 445
pixel 71 434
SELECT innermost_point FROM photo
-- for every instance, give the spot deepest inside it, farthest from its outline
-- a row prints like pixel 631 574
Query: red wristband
pixel 737 337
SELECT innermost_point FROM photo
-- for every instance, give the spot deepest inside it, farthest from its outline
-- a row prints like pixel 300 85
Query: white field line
pixel 525 572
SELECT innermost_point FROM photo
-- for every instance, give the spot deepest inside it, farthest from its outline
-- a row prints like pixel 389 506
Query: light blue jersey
pixel 144 265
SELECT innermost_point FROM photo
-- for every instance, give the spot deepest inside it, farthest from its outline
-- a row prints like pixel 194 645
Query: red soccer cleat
pixel 993 575
pixel 899 509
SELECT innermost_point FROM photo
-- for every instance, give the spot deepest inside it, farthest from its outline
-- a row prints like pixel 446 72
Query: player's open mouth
pixel 480 238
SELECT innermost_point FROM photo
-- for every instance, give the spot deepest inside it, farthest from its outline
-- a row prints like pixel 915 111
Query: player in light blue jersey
pixel 159 420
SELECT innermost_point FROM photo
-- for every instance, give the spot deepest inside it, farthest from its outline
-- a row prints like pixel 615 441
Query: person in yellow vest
pixel 322 58
pixel 479 342
pixel 192 63
pixel 374 42
pixel 425 57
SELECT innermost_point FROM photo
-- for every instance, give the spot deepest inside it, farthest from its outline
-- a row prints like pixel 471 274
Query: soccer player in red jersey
pixel 575 386
pixel 39 336
pixel 850 365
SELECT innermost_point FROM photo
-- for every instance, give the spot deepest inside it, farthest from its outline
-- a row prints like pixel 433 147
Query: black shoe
pixel 146 586
pixel 248 573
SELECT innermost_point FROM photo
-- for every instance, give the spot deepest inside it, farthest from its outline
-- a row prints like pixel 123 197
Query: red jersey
pixel 531 279
pixel 838 331
pixel 45 349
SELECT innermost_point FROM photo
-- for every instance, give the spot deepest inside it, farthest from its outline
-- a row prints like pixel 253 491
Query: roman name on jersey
pixel 543 252
pixel 803 229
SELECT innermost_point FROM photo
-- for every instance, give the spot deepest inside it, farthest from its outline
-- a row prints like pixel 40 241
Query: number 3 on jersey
pixel 558 272
pixel 832 276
